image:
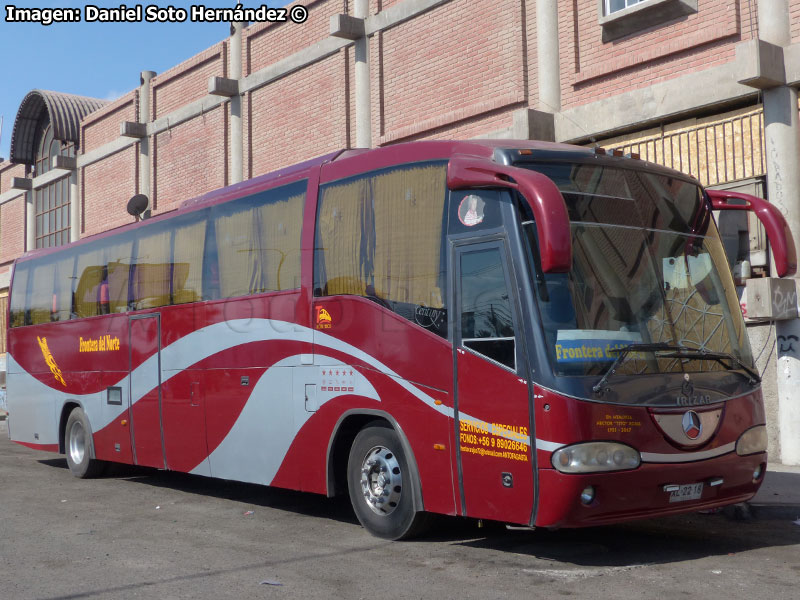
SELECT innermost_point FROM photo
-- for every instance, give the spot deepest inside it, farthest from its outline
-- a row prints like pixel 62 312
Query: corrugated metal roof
pixel 64 111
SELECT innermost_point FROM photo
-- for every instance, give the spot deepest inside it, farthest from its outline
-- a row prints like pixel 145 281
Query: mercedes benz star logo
pixel 692 426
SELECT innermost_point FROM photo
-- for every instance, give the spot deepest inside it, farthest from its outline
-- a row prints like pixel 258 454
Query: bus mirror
pixel 542 195
pixel 778 233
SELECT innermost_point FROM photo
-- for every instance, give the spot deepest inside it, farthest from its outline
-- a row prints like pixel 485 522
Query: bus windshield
pixel 648 268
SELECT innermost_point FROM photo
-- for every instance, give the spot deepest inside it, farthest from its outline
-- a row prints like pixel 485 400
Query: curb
pixel 790 512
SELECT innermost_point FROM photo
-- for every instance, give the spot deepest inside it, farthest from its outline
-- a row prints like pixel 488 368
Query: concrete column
pixel 237 132
pixel 782 138
pixel 30 221
pixel 788 347
pixel 362 82
pixel 144 143
pixel 74 208
pixel 549 74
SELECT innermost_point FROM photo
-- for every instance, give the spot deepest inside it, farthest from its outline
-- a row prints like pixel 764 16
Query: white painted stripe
pixel 684 457
pixel 654 457
pixel 206 342
pixel 548 446
pixel 257 443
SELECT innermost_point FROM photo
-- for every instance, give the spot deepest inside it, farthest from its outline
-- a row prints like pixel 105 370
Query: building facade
pixel 708 87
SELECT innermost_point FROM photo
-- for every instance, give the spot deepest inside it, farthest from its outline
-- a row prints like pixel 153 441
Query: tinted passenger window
pixel 50 298
pixel 19 293
pixel 381 236
pixel 152 267
pixel 90 272
pixel 187 257
pixel 257 243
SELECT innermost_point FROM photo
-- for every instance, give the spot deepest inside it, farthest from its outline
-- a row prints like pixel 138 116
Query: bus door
pixel 144 332
pixel 492 414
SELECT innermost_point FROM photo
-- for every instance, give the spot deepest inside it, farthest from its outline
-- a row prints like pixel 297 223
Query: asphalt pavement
pixel 144 533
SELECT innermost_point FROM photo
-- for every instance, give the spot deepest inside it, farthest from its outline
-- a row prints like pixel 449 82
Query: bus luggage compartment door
pixel 493 416
pixel 145 395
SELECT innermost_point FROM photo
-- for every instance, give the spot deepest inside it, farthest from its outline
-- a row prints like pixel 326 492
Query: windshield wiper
pixel 719 357
pixel 675 351
pixel 624 351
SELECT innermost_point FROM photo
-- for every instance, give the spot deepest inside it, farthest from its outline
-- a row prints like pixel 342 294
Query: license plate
pixel 690 491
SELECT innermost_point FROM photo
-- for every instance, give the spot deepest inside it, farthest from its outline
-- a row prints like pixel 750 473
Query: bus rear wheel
pixel 80 447
pixel 379 482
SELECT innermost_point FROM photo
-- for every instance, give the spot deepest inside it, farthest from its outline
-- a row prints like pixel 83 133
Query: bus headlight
pixel 752 441
pixel 592 457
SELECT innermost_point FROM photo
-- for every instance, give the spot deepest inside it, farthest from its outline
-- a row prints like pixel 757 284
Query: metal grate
pixel 715 153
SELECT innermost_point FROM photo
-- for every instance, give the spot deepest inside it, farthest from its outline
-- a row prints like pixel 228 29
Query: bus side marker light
pixel 437 402
pixel 438 446
pixel 124 422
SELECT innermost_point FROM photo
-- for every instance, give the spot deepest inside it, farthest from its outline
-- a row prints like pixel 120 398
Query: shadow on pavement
pixel 258 495
pixel 653 541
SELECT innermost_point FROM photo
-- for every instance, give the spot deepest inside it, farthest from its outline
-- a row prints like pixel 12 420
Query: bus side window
pixel 381 236
pixel 487 325
pixel 89 273
pixel 61 309
pixel 257 242
pixel 152 267
pixel 187 258
pixel 211 266
pixel 41 295
pixel 19 295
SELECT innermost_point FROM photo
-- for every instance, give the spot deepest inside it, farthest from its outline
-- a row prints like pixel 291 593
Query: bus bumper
pixel 643 492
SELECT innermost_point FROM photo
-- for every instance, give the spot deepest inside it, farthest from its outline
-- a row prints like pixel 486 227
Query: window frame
pixel 462 246
pixel 51 201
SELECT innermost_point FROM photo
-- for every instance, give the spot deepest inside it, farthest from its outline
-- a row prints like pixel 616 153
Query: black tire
pixel 380 485
pixel 79 447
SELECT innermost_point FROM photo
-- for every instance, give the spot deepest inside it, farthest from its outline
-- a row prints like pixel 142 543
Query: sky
pixel 97 59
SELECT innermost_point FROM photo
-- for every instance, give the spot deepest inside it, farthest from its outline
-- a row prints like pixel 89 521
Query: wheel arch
pixel 66 409
pixel 342 437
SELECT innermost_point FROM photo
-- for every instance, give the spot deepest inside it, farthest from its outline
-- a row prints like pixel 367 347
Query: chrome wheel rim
pixel 77 443
pixel 381 480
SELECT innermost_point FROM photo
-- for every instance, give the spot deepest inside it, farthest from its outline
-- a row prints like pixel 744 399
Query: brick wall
pixel 433 77
pixel 299 117
pixel 12 229
pixel 478 126
pixel 190 159
pixel 592 69
pixel 794 19
pixel 187 81
pixel 106 187
pixel 267 43
pixel 102 126
pixel 7 172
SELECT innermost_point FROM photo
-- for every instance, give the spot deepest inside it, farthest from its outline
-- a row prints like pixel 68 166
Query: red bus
pixel 532 333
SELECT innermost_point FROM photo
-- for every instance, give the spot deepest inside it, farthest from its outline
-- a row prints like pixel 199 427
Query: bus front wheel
pixel 379 482
pixel 79 446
